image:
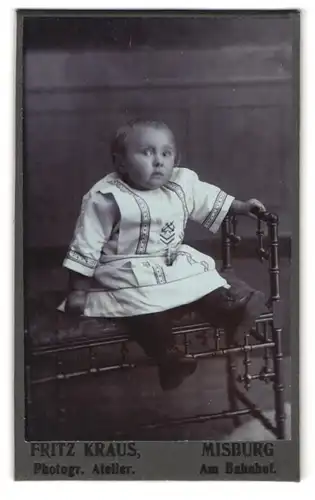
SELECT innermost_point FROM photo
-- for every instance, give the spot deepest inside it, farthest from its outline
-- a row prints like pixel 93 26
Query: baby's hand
pixel 75 303
pixel 253 203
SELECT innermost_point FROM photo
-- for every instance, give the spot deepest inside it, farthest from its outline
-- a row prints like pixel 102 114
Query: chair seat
pixel 48 327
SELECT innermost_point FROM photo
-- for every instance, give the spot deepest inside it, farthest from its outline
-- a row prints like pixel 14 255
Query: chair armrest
pixel 265 216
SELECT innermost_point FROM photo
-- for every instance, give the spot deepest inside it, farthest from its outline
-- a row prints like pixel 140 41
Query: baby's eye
pixel 147 152
pixel 167 153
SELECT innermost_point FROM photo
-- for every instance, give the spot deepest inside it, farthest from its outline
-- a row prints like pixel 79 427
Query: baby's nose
pixel 158 161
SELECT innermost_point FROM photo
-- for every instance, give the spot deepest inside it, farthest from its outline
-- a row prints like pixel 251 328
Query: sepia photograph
pixel 160 224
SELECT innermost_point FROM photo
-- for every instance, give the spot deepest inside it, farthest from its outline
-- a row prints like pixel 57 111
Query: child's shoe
pixel 174 367
pixel 240 309
pixel 253 307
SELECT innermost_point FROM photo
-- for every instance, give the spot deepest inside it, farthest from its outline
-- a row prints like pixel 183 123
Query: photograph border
pixel 183 457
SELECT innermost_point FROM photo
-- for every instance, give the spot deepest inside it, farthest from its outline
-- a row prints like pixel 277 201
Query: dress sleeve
pixel 210 204
pixel 93 228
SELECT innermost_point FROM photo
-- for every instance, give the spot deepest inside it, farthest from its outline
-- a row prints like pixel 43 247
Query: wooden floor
pixel 122 400
pixel 251 271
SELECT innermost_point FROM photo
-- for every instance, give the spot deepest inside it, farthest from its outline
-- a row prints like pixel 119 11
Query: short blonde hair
pixel 118 143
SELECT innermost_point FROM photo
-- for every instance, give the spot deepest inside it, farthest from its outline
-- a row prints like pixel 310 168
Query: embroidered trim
pixel 167 234
pixel 189 258
pixel 178 190
pixel 159 274
pixel 192 261
pixel 205 265
pixel 81 259
pixel 145 223
pixel 146 264
pixel 218 204
pixel 112 289
pixel 167 241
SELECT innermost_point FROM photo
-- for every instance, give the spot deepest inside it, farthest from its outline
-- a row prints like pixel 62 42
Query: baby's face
pixel 149 157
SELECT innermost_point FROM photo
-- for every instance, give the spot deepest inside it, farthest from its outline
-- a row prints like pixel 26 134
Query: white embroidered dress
pixel 141 266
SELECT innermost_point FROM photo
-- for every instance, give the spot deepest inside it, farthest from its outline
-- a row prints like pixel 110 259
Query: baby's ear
pixel 118 162
pixel 177 161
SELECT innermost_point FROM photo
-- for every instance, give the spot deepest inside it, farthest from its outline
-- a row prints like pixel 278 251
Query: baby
pixel 127 258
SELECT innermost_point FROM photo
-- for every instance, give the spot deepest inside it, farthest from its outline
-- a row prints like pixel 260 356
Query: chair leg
pixel 231 384
pixel 28 404
pixel 278 385
pixel 28 397
pixel 60 386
